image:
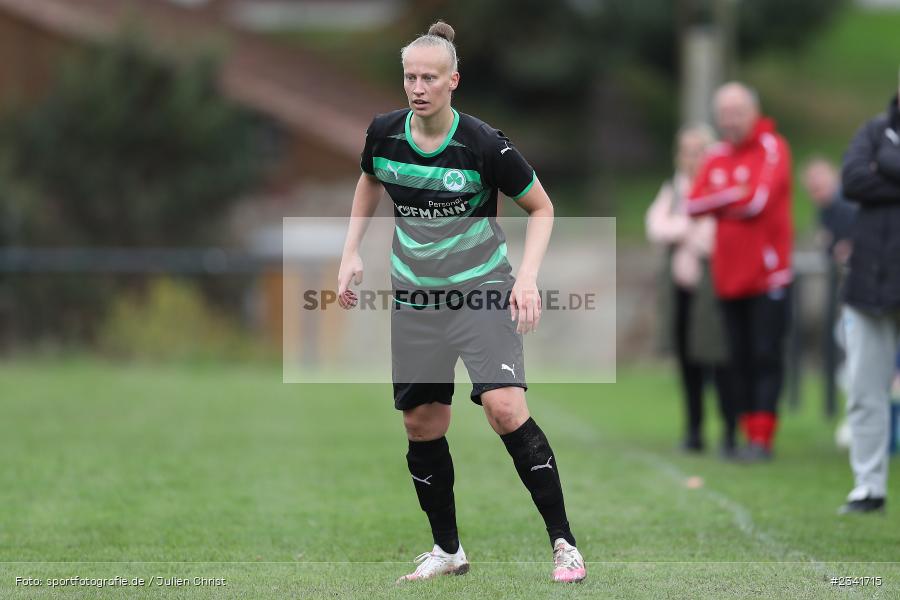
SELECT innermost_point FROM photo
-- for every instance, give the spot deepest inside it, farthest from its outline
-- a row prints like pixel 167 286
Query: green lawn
pixel 291 491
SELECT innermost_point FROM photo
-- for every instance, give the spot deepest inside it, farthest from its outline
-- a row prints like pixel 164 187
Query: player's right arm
pixel 365 201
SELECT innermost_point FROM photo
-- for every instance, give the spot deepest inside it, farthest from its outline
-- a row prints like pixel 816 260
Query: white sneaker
pixel 437 562
pixel 567 562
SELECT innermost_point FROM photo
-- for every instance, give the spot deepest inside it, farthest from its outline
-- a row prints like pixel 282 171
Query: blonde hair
pixel 440 35
pixel 706 133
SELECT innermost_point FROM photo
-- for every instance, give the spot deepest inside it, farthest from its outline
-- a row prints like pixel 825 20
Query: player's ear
pixel 454 80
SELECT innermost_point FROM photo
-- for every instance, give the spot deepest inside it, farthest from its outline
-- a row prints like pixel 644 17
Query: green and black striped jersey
pixel 445 202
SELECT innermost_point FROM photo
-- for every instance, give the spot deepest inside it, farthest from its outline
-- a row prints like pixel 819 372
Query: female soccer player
pixel 442 169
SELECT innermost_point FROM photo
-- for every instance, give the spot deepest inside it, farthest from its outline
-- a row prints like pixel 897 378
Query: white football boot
pixel 568 564
pixel 437 562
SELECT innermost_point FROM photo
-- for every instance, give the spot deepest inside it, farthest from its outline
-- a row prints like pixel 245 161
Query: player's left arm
pixel 507 169
pixel 525 301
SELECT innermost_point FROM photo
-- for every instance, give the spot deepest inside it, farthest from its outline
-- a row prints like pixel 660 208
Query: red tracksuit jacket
pixel 747 187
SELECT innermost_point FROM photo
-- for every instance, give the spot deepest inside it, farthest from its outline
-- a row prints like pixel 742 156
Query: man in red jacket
pixel 745 182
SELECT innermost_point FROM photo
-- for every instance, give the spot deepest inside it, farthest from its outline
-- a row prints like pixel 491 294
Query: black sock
pixel 432 470
pixel 536 465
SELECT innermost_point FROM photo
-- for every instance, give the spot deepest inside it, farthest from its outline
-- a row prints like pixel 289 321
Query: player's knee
pixel 422 426
pixel 505 410
pixel 416 429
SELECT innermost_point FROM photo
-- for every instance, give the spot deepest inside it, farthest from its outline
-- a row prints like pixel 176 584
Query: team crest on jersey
pixel 454 180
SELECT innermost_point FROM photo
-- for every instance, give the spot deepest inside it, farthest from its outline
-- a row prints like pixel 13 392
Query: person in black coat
pixel 871 178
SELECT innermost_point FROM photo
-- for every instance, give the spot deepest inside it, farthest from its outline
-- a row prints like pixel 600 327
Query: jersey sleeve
pixel 505 167
pixel 365 158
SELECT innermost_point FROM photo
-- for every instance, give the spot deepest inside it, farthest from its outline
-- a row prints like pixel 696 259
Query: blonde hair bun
pixel 442 29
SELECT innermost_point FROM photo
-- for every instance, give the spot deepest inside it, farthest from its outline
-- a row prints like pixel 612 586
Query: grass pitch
pixel 288 491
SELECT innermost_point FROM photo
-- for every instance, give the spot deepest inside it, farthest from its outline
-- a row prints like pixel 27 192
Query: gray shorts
pixel 426 343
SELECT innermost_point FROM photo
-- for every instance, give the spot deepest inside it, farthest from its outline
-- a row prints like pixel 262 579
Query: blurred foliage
pixel 774 24
pixel 603 71
pixel 547 50
pixel 824 92
pixel 16 196
pixel 129 148
pixel 587 88
pixel 170 321
pixel 819 95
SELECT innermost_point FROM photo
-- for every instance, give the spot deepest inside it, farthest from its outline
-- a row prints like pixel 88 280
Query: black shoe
pixel 728 452
pixel 866 505
pixel 693 445
pixel 753 453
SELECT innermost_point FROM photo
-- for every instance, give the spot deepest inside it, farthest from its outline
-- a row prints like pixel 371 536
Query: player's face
pixel 427 79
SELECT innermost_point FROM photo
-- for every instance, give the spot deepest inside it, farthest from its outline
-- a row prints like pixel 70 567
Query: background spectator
pixel 692 323
pixel 746 184
pixel 836 217
pixel 871 177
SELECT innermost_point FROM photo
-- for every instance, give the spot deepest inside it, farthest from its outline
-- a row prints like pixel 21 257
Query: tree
pixel 550 49
pixel 129 148
pixel 599 68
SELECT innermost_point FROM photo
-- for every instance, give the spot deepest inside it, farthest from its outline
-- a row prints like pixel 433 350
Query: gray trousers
pixel 871 348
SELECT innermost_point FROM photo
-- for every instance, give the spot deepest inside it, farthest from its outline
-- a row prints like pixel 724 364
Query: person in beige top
pixel 690 314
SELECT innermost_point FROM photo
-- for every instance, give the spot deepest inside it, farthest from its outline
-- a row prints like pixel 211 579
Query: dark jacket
pixel 871 177
pixel 838 218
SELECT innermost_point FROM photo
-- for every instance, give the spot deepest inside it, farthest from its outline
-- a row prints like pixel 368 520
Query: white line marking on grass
pixel 740 513
pixel 406 562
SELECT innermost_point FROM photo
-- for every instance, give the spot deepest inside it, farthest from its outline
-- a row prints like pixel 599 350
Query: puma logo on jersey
pixel 511 369
pixel 425 481
pixel 546 465
pixel 393 170
pixel 505 149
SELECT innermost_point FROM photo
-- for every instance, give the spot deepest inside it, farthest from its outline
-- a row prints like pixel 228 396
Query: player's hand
pixel 351 270
pixel 525 304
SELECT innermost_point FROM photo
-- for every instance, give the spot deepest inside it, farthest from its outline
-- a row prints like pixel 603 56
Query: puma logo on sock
pixel 544 466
